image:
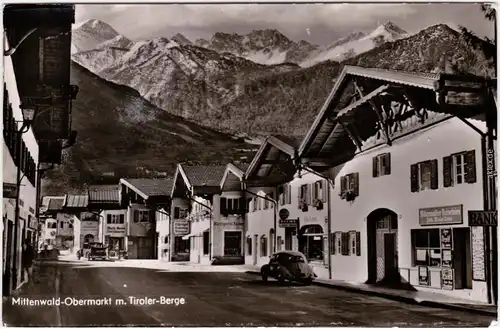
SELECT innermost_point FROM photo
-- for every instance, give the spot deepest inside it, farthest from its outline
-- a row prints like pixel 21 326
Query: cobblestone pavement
pixel 210 299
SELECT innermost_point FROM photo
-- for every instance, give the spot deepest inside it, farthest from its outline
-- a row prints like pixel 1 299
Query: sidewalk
pixel 411 297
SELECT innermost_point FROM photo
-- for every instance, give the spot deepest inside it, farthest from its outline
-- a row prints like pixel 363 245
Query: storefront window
pixel 181 246
pixel 426 247
pixel 232 243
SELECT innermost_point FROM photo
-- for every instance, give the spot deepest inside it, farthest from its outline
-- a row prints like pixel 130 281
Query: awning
pixel 202 227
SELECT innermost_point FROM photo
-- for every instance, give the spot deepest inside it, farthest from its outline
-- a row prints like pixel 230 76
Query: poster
pixel 447 258
pixel 446 238
pixel 478 261
pixel 423 276
pixel 447 279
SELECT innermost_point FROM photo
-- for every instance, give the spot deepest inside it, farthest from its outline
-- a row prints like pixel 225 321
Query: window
pixel 459 169
pixel 115 219
pixel 249 245
pixel 424 176
pixel 206 242
pixel 263 246
pixel 181 246
pixel 62 225
pixel 354 243
pixel 176 213
pixel 165 239
pixel 319 190
pixel 141 216
pixel 426 247
pixel 304 194
pixel 232 206
pixel 349 183
pixel 382 165
pixel 266 203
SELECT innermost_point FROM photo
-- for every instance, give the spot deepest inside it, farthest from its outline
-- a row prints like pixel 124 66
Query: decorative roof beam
pixel 331 134
pixel 352 135
pixel 378 111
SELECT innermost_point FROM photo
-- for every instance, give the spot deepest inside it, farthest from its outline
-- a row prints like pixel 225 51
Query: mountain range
pixel 221 86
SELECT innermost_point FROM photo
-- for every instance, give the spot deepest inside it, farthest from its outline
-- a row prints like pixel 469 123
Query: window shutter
pixel 470 160
pixel 356 183
pixel 375 166
pixel 176 212
pixel 414 177
pixel 343 184
pixel 333 245
pixel 108 218
pixel 288 194
pixel 242 205
pixel 447 171
pixel 387 163
pixel 325 188
pixel 345 243
pixel 122 218
pixel 358 243
pixel 310 190
pixel 434 174
pixel 223 205
pixel 299 191
pixel 137 214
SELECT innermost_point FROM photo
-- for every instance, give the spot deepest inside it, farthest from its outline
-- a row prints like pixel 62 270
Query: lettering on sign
pixel 228 223
pixel 9 190
pixel 116 229
pixel 490 163
pixel 483 218
pixel 288 223
pixel 284 213
pixel 181 227
pixel 441 215
pixel 478 262
pixel 447 279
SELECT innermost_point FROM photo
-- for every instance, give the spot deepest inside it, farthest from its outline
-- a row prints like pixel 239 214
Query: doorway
pixel 382 228
pixel 256 248
pixel 311 242
pixel 462 263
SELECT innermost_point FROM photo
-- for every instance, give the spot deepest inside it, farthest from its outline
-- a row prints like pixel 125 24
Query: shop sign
pixel 284 213
pixel 423 276
pixel 478 254
pixel 447 279
pixel 288 223
pixel 441 215
pixel 490 163
pixel 446 238
pixel 9 190
pixel 181 227
pixel 228 223
pixel 483 218
pixel 447 258
pixel 119 229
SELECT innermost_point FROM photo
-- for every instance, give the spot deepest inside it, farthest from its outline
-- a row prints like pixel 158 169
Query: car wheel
pixel 264 274
pixel 281 278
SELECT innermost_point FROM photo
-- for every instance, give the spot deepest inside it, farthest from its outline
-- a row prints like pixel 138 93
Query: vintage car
pixel 288 265
pixel 87 249
pixel 98 251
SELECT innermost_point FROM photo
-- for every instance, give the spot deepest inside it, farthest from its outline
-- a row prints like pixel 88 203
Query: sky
pixel 316 23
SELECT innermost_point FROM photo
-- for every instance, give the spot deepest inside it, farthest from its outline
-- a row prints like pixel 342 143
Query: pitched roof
pixel 104 194
pixel 200 175
pixel 293 141
pixel 150 187
pixel 56 203
pixel 242 166
pixel 76 201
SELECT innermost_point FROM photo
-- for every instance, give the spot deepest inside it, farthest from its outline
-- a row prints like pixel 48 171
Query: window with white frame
pixel 459 168
pixel 424 176
pixel 318 190
pixel 115 218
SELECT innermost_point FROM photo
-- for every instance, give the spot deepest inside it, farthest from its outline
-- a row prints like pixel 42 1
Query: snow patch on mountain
pixel 89 34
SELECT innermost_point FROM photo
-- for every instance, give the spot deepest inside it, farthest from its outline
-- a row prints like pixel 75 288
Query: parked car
pixel 87 247
pixel 98 251
pixel 288 265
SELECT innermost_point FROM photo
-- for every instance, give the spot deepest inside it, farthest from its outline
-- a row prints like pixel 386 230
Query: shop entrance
pixel 383 247
pixel 461 258
pixel 311 242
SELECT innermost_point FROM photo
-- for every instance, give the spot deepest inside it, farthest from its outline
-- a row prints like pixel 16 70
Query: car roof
pixel 291 252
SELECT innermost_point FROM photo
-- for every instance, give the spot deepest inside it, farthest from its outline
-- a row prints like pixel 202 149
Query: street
pixel 204 299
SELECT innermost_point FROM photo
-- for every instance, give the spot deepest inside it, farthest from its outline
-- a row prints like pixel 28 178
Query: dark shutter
pixel 242 205
pixel 122 219
pixel 414 177
pixel 223 205
pixel 447 171
pixel 345 243
pixel 334 244
pixel 108 218
pixel 387 163
pixel 375 166
pixel 470 172
pixel 136 215
pixel 343 184
pixel 176 212
pixel 434 174
pixel 355 177
pixel 358 243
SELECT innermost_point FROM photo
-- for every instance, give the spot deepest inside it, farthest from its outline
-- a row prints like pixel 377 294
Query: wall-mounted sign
pixel 490 163
pixel 423 276
pixel 441 215
pixel 447 279
pixel 446 238
pixel 116 229
pixel 228 223
pixel 478 261
pixel 447 258
pixel 181 227
pixel 288 223
pixel 483 218
pixel 284 213
pixel 9 191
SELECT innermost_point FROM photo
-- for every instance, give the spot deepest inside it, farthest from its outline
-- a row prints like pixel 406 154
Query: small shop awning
pixel 204 226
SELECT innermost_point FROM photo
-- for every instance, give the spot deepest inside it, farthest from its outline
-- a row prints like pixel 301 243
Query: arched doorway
pixel 383 246
pixel 311 242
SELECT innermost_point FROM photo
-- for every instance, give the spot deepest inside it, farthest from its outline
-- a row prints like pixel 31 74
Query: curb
pixel 407 300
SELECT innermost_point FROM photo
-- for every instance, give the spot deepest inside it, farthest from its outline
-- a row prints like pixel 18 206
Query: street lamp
pixel 28 117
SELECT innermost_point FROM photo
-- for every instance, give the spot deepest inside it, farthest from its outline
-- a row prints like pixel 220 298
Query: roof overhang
pixel 39 40
pixel 234 170
pixel 272 164
pixel 134 188
pixel 464 96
